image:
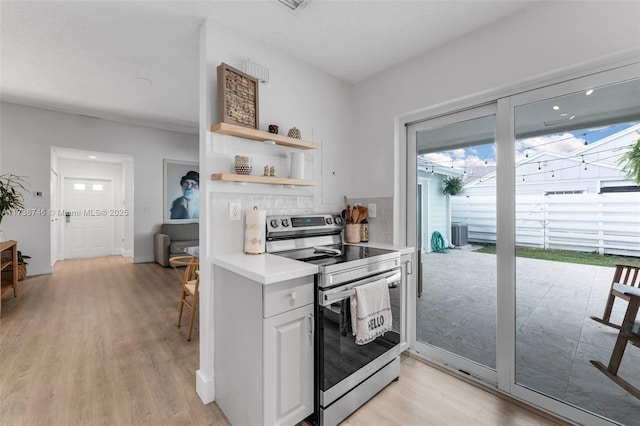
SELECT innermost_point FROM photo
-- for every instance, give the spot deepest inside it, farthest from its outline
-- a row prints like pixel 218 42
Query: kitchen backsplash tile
pixel 381 226
pixel 273 204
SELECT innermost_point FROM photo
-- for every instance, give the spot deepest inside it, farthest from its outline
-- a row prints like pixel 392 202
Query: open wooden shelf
pixel 260 136
pixel 6 263
pixel 272 180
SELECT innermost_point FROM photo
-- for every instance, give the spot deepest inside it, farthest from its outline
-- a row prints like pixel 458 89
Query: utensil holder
pixel 352 233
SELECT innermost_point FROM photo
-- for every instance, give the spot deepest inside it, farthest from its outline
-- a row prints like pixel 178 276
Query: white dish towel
pixel 371 311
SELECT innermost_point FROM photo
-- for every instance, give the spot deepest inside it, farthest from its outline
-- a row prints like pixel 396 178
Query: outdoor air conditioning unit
pixel 459 233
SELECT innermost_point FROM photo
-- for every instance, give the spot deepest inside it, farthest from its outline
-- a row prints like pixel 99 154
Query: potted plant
pixel 11 187
pixel 631 162
pixel 22 265
pixel 452 185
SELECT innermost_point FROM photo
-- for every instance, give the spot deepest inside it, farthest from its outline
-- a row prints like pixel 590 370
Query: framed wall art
pixel 181 191
pixel 237 97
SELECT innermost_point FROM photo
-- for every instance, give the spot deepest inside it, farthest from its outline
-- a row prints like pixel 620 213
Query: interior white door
pixel 88 224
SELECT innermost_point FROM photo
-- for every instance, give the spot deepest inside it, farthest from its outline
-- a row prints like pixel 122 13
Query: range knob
pixel 329 221
pixel 274 223
pixel 338 221
pixel 285 222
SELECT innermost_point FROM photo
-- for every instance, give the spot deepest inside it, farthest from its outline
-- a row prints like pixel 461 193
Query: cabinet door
pixel 288 366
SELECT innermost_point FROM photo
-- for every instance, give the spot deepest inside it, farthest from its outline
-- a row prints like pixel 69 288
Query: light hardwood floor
pixel 95 343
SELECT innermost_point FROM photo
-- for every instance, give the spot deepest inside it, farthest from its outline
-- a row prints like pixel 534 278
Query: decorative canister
pixel 364 231
pixel 294 133
pixel 242 165
pixel 273 129
pixel 352 232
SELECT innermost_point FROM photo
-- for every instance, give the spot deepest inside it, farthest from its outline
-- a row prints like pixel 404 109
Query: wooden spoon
pixel 363 213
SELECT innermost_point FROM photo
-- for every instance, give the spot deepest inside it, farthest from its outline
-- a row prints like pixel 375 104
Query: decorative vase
pixel 294 133
pixel 273 129
pixel 22 271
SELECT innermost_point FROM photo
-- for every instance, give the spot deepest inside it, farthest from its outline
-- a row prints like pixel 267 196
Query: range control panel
pixel 321 223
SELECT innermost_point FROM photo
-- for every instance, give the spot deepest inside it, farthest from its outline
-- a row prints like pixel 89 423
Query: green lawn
pixel 568 256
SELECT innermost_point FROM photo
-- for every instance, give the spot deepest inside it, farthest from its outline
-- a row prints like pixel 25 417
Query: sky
pixel 484 155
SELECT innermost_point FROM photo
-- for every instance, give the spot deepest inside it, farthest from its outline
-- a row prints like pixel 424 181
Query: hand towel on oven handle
pixel 371 311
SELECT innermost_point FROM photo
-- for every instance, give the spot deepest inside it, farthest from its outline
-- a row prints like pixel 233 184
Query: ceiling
pixel 137 61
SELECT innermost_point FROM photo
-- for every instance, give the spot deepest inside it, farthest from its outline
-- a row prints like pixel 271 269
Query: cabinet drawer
pixel 287 295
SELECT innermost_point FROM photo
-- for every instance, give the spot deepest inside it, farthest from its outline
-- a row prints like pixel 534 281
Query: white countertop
pixel 264 268
pixel 269 269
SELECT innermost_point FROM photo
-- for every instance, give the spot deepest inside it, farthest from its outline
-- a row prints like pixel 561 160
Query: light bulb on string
pixel 582 158
pixel 523 178
pixel 539 166
pixel 553 174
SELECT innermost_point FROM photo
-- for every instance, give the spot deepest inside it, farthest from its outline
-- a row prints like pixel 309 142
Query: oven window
pixel 341 355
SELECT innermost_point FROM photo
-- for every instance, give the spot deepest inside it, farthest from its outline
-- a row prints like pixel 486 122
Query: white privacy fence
pixel 603 223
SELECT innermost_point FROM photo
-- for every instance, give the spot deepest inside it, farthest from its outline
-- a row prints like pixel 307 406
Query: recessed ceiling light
pixel 556 107
pixel 93 157
pixel 563 115
pixel 590 91
pixel 572 117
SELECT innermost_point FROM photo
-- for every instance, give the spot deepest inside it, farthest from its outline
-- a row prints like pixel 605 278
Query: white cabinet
pixel 263 349
pixel 288 360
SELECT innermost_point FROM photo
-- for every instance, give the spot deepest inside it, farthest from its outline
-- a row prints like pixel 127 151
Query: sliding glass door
pixel 456 305
pixel 518 208
pixel 576 216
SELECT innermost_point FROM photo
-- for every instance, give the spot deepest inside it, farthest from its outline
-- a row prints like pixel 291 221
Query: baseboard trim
pixel 205 387
pixel 142 259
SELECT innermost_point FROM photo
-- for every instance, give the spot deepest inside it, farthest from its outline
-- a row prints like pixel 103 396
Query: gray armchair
pixel 172 239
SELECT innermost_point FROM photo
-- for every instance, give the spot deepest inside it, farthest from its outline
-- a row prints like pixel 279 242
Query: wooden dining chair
pixel 629 333
pixel 629 277
pixel 190 281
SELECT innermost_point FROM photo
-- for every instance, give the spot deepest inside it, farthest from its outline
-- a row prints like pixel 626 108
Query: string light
pixel 550 160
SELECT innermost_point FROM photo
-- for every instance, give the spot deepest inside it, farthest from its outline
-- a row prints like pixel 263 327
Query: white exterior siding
pixel 436 209
pixel 603 223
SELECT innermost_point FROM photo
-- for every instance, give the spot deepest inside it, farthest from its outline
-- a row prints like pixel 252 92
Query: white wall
pixel 28 133
pixel 299 95
pixel 546 38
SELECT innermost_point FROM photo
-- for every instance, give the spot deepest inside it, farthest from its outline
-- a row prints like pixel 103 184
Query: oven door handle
pixel 330 297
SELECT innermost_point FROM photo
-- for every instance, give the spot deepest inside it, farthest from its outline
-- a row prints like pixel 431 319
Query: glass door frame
pixel 506 231
pixel 432 352
pixel 405 223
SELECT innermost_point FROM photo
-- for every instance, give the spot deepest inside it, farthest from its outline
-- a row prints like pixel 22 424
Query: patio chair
pixel 628 333
pixel 629 278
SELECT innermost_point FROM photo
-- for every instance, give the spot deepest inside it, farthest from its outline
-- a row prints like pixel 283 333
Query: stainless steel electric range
pixel 346 374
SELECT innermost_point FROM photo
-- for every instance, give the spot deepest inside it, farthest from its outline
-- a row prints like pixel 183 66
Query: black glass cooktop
pixel 333 254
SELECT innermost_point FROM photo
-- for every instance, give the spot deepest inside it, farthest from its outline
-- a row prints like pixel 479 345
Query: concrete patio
pixel 555 337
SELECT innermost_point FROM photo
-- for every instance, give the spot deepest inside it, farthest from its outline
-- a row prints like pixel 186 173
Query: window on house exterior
pixel 580 191
pixel 626 188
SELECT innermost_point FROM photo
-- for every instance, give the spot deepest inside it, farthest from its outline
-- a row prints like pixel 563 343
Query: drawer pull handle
pixel 294 295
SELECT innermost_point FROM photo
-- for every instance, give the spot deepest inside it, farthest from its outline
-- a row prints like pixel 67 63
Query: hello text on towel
pixel 371 311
